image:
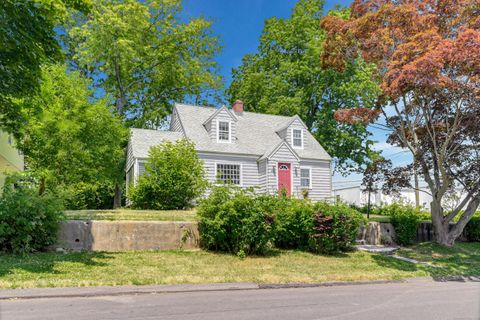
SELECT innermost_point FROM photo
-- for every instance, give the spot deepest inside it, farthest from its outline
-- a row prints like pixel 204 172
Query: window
pixel 297 138
pixel 228 173
pixel 141 169
pixel 305 178
pixel 223 131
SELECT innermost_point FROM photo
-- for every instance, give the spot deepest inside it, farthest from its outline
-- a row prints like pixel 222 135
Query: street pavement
pixel 417 299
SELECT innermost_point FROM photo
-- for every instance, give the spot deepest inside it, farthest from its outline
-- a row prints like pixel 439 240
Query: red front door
pixel 284 178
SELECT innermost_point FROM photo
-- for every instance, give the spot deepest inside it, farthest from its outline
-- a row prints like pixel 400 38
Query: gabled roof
pixel 295 117
pixel 274 150
pixel 142 139
pixel 232 115
pixel 256 134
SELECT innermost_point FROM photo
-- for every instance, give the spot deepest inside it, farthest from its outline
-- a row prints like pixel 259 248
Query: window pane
pixel 297 137
pixel 223 130
pixel 305 177
pixel 228 173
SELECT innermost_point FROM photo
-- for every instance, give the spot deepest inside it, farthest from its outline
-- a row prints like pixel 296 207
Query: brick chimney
pixel 238 107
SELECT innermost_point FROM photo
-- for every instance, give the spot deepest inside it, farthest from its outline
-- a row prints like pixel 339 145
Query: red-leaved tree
pixel 427 54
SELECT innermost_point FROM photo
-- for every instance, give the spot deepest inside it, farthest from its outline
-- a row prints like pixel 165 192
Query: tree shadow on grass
pixel 463 260
pixel 45 262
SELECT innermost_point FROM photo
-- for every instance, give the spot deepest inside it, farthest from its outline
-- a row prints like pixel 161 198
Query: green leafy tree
pixel 70 137
pixel 174 177
pixel 286 77
pixel 27 40
pixel 145 56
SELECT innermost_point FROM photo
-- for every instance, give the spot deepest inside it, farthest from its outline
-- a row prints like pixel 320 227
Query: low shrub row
pixel 245 223
pixel 28 221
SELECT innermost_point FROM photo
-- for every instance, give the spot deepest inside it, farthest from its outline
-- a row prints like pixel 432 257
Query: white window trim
pixel 309 178
pixel 229 131
pixel 227 162
pixel 291 134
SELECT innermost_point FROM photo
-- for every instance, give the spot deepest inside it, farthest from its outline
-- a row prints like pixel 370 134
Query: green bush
pixel 405 220
pixel 472 230
pixel 28 222
pixel 174 177
pixel 98 196
pixel 335 228
pixel 236 221
pixel 294 223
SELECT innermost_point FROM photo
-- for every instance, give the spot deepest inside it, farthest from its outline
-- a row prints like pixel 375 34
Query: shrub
pixel 294 223
pixel 335 228
pixel 174 177
pixel 472 230
pixel 405 220
pixel 28 222
pixel 98 196
pixel 236 221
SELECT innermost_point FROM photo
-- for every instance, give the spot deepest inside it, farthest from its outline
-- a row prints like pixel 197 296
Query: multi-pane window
pixel 305 178
pixel 223 131
pixel 228 173
pixel 297 138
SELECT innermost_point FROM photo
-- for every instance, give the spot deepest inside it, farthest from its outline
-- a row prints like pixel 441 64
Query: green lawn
pixel 197 266
pixel 463 259
pixel 167 267
pixel 136 215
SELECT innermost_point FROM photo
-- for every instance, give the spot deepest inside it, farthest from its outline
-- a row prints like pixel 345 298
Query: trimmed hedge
pixel 335 228
pixel 472 230
pixel 244 223
pixel 235 221
pixel 405 220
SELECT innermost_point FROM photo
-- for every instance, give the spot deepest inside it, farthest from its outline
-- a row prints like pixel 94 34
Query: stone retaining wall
pixel 127 235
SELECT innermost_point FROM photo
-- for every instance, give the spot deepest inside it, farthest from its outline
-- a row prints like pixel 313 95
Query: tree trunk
pixel 117 200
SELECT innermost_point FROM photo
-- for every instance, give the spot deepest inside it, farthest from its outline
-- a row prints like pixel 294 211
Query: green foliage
pixel 286 77
pixel 174 177
pixel 27 39
pixel 405 220
pixel 28 222
pixel 236 221
pixel 335 228
pixel 472 230
pixel 83 196
pixel 145 55
pixel 71 138
pixel 294 223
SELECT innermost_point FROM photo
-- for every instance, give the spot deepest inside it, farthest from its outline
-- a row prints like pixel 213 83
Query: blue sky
pixel 239 24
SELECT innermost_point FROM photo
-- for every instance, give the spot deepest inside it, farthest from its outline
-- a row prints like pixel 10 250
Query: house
pixel 247 149
pixel 353 193
pixel 11 159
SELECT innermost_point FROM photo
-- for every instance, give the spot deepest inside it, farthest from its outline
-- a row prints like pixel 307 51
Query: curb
pixel 87 292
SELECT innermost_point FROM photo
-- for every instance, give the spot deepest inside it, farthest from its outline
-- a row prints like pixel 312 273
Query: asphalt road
pixel 417 300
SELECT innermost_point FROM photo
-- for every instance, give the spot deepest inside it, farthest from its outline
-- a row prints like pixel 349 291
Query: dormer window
pixel 223 131
pixel 297 138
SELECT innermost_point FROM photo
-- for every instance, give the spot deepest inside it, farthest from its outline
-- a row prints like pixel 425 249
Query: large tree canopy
pixel 28 40
pixel 286 77
pixel 145 56
pixel 69 137
pixel 428 57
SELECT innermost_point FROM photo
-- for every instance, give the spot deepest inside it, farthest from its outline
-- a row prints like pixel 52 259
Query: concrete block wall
pixel 113 236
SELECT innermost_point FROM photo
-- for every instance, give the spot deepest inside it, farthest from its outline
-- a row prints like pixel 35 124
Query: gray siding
pixel 222 116
pixel 130 158
pixel 283 154
pixel 249 167
pixel 297 125
pixel 175 124
pixel 321 180
pixel 262 175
